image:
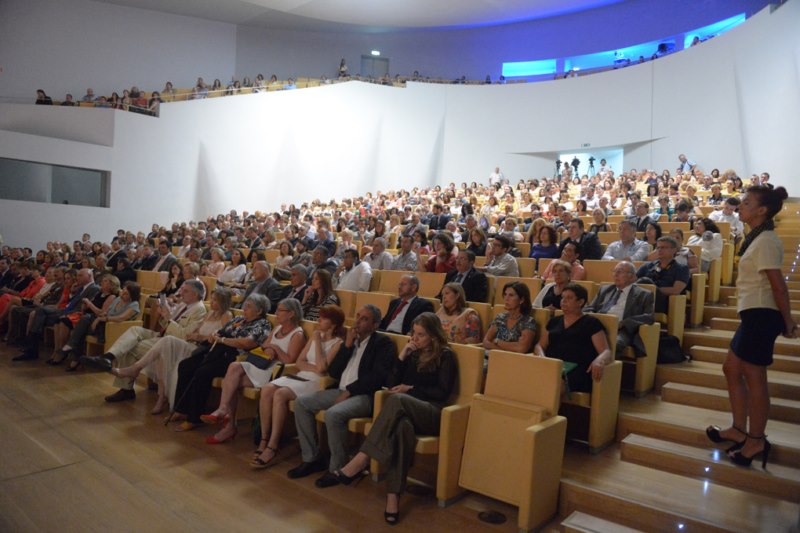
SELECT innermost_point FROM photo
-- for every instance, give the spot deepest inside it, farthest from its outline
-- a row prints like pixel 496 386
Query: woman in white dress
pixel 161 362
pixel 312 365
pixel 233 273
pixel 284 344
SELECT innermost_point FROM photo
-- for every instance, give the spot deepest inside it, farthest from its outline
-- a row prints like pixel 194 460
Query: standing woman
pixel 421 382
pixel 764 309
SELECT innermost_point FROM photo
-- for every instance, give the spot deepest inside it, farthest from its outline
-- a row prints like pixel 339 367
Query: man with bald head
pixel 47 316
pixel 632 304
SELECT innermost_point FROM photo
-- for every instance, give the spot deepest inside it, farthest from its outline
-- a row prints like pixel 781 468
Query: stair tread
pixel 696 336
pixel 713 456
pixel 724 394
pixel 705 367
pixel 725 507
pixel 782 362
pixel 784 434
pixel 579 521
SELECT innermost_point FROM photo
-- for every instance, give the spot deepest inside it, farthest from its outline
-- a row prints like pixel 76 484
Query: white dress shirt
pixel 356 279
pixel 396 325
pixel 350 374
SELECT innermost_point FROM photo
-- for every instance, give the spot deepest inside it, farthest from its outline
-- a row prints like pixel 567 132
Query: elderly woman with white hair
pixel 212 357
pixel 284 344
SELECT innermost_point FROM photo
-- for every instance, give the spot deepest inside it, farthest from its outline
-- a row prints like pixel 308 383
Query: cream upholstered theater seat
pixel 639 373
pixel 519 409
pixel 593 416
pixel 448 445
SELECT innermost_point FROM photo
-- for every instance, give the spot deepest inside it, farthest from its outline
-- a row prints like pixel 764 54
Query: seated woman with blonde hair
pixel 578 339
pixel 283 344
pixel 461 324
pixel 550 295
pixel 312 364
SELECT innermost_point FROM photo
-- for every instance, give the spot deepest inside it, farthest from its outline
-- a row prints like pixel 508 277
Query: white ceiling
pixel 366 15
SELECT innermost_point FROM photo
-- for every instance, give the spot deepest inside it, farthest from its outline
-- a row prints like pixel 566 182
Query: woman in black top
pixel 422 380
pixel 477 242
pixel 576 338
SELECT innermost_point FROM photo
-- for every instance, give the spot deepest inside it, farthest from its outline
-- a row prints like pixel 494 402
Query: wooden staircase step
pixel 724 311
pixel 725 292
pixel 687 424
pixel 711 464
pixel 727 324
pixel 579 522
pixel 781 384
pixel 794 304
pixel 657 501
pixel 722 339
pixel 717 399
pixel 709 354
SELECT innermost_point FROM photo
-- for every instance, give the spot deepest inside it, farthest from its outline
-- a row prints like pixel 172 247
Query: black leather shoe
pixel 27 355
pixel 97 362
pixel 306 469
pixel 121 396
pixel 328 479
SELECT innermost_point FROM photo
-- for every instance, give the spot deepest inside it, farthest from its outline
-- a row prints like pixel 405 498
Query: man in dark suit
pixel 438 220
pixel 47 316
pixel 320 260
pixel 165 258
pixel 147 260
pixel 474 282
pixel 406 307
pixel 6 275
pixel 362 366
pixel 588 241
pixel 297 283
pixel 641 218
pixel 631 303
pixel 264 283
pixel 117 252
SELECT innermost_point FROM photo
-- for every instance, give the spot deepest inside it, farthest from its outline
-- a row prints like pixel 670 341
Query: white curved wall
pixel 732 102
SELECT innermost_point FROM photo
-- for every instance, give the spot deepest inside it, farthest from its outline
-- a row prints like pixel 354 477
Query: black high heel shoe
pixel 712 432
pixel 742 460
pixel 392 518
pixel 350 480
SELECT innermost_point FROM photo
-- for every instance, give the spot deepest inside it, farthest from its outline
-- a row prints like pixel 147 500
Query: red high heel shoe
pixel 213 438
pixel 215 419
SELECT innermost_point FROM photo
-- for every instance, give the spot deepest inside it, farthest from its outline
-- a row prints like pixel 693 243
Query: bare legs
pixel 749 396
pixel 235 378
pixel 274 408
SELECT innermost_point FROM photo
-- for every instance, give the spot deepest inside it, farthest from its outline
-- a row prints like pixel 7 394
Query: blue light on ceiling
pixel 621 56
pixel 712 30
pixel 529 68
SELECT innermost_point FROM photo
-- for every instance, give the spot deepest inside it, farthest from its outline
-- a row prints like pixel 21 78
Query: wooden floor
pixel 71 462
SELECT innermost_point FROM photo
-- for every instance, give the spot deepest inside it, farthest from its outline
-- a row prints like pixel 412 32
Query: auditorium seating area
pixel 632 452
